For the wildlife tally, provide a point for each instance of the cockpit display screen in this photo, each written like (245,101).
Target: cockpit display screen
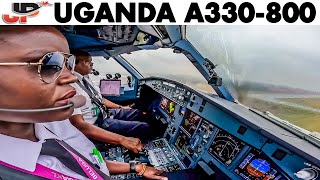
(182,142)
(191,122)
(182,110)
(168,105)
(256,165)
(110,87)
(225,147)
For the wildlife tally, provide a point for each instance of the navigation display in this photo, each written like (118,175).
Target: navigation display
(225,147)
(110,87)
(258,166)
(191,122)
(182,141)
(168,105)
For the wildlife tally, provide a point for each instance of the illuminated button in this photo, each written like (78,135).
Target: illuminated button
(199,149)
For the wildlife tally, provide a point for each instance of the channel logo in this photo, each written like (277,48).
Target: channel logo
(22,11)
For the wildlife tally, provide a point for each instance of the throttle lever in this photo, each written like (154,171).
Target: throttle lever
(143,152)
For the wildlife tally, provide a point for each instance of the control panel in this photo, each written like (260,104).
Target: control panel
(177,93)
(162,157)
(119,154)
(182,142)
(200,140)
(157,153)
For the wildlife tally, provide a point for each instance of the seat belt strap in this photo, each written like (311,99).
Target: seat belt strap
(95,100)
(40,171)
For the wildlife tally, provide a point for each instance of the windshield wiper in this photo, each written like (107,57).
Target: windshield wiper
(312,137)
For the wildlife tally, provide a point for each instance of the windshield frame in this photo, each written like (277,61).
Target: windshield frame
(199,61)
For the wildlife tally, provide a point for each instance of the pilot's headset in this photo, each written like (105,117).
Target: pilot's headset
(29,115)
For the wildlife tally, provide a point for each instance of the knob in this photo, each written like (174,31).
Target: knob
(306,174)
(117,76)
(108,76)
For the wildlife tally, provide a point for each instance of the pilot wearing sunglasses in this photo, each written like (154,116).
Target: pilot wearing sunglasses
(36,140)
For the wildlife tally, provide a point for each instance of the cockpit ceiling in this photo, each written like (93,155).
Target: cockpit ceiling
(111,37)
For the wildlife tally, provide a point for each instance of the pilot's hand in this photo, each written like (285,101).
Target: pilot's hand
(133,144)
(151,173)
(126,107)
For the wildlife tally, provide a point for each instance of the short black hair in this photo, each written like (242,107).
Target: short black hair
(79,54)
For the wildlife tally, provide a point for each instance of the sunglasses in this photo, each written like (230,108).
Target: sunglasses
(50,66)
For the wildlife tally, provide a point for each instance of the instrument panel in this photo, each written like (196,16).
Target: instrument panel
(258,166)
(168,106)
(177,93)
(182,142)
(191,122)
(200,139)
(228,142)
(225,147)
(196,133)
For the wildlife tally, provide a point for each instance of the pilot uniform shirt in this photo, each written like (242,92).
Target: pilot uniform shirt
(89,111)
(25,154)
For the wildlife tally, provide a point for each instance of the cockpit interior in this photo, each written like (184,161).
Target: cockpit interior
(212,133)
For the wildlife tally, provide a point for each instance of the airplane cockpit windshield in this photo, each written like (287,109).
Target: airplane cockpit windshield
(261,66)
(155,63)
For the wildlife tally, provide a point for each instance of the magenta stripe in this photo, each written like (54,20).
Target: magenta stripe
(42,171)
(90,172)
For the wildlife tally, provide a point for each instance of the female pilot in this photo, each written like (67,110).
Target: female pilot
(35,73)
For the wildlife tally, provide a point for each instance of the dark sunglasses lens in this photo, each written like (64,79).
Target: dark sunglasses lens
(71,63)
(52,66)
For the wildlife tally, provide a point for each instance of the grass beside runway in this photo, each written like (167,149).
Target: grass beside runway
(303,118)
(310,102)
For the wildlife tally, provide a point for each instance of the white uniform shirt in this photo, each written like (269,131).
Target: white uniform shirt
(89,110)
(25,154)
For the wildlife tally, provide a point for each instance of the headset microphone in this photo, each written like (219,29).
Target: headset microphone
(95,72)
(75,102)
(41,115)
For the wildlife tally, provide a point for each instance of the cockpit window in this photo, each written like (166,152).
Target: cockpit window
(164,63)
(269,68)
(111,67)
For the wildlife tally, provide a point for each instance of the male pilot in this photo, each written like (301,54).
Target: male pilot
(123,120)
